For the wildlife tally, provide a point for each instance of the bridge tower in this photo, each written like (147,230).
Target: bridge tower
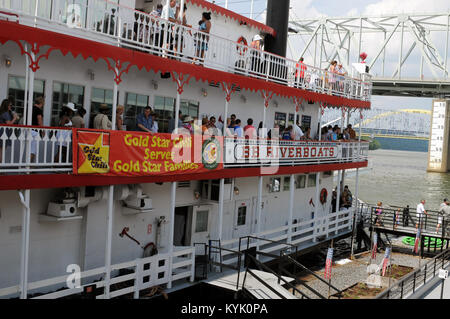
(438,148)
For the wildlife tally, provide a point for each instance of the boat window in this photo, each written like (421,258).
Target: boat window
(64,93)
(201,224)
(311,180)
(242,215)
(286,183)
(134,105)
(275,185)
(300,181)
(16,89)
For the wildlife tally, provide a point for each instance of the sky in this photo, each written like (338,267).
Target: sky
(335,8)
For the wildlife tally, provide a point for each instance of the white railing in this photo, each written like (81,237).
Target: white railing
(257,152)
(304,232)
(119,25)
(40,149)
(27,149)
(145,272)
(154,271)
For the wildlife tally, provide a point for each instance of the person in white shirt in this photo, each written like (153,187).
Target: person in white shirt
(298,133)
(420,212)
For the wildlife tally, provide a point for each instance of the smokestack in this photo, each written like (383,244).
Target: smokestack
(278,19)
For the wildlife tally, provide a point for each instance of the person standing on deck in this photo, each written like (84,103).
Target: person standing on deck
(420,212)
(444,215)
(406,216)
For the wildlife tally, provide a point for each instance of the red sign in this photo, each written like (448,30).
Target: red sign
(122,153)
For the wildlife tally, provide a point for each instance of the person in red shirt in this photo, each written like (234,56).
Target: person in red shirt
(249,129)
(300,69)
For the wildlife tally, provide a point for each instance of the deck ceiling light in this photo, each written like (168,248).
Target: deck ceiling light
(196,194)
(91,74)
(236,191)
(204,92)
(155,84)
(8,61)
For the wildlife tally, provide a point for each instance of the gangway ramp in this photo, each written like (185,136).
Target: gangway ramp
(254,286)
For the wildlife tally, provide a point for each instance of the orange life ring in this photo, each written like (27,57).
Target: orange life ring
(323,196)
(242,49)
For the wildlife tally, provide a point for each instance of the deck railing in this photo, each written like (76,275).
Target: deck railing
(25,149)
(107,22)
(144,272)
(418,279)
(154,271)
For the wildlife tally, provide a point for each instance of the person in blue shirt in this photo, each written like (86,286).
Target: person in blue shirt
(145,120)
(287,134)
(238,129)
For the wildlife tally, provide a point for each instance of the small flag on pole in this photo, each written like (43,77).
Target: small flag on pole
(387,254)
(375,245)
(328,263)
(416,242)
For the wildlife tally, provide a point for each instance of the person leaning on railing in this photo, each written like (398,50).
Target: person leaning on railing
(101,120)
(8,117)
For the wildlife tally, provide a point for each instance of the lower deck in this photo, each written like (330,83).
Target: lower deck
(67,254)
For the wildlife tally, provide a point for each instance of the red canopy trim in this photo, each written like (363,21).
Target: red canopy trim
(233,15)
(10,31)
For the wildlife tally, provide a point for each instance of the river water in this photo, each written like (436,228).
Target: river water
(400,178)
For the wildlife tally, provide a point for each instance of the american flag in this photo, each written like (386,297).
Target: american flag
(328,263)
(416,243)
(374,248)
(387,253)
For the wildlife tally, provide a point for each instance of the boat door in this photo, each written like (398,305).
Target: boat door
(242,218)
(201,224)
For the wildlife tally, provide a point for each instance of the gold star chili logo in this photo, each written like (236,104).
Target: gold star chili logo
(93,150)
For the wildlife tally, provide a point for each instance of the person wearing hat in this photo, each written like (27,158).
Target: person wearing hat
(444,215)
(188,124)
(145,120)
(101,120)
(67,114)
(256,46)
(78,119)
(62,136)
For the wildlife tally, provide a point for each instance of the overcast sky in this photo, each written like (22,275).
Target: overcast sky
(334,8)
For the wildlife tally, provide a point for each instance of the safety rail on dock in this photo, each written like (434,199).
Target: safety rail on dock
(420,277)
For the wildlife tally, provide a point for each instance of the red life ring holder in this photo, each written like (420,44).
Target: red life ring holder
(242,49)
(323,196)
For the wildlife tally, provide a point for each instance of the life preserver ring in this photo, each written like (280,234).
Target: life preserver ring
(323,196)
(242,46)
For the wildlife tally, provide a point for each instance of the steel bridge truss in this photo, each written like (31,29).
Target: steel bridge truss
(395,44)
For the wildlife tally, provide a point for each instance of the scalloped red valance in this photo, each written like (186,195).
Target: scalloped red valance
(39,38)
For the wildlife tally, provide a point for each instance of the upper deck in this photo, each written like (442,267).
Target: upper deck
(123,27)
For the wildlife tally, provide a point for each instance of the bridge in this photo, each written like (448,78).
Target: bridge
(407,53)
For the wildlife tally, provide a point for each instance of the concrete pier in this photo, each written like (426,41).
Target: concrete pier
(438,157)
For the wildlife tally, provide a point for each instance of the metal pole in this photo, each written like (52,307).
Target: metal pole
(177,111)
(24,260)
(30,94)
(25,102)
(225,118)
(258,211)
(338,191)
(291,206)
(401,52)
(221,190)
(442,288)
(446,48)
(110,217)
(173,191)
(355,212)
(251,9)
